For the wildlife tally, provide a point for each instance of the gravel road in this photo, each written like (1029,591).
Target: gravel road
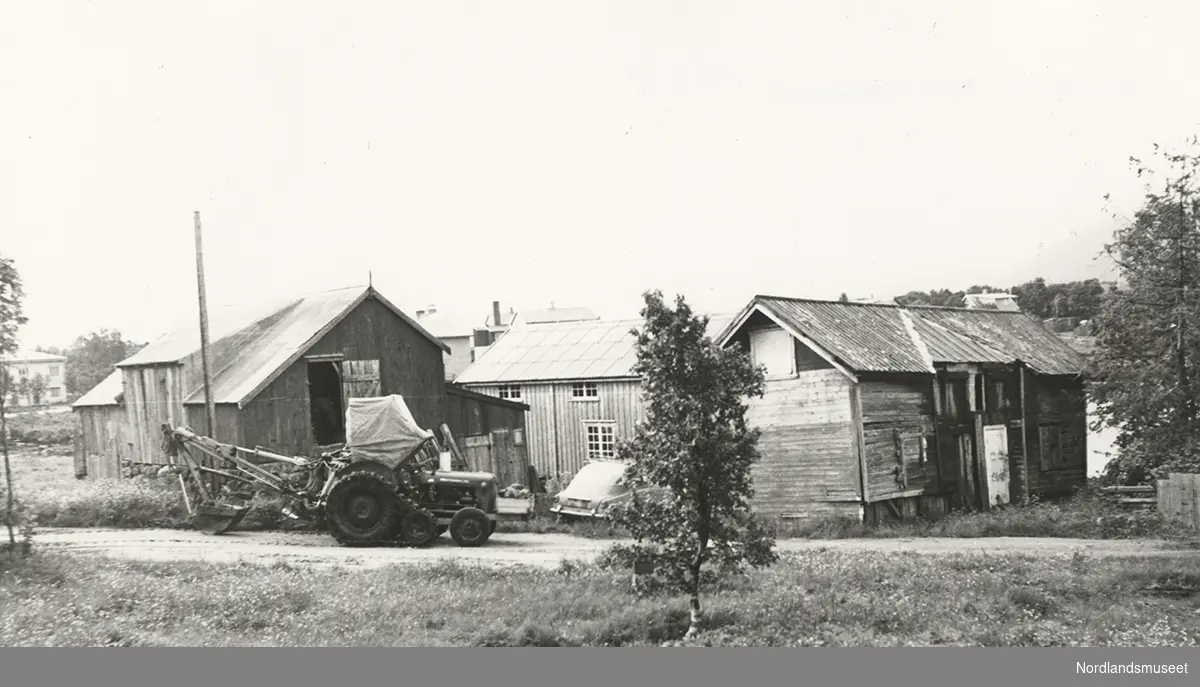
(306,548)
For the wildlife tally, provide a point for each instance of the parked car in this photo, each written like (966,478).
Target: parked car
(595,489)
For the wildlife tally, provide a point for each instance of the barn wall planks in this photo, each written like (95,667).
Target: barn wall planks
(1057,408)
(410,365)
(468,415)
(807,445)
(153,396)
(101,442)
(898,431)
(556,422)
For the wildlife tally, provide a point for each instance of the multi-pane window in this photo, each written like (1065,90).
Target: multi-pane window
(601,440)
(511,391)
(585,390)
(54,370)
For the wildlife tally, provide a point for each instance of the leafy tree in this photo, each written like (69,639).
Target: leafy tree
(1144,371)
(37,389)
(843,298)
(695,445)
(12,316)
(91,358)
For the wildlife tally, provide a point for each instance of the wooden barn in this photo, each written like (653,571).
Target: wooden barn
(878,411)
(577,379)
(280,376)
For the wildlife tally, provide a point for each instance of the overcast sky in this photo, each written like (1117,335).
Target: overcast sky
(578,153)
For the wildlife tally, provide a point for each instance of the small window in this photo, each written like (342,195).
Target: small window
(585,390)
(55,392)
(510,391)
(773,349)
(54,370)
(601,440)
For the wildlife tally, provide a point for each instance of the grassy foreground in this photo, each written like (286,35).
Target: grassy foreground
(814,599)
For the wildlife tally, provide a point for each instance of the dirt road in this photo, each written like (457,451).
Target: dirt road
(506,549)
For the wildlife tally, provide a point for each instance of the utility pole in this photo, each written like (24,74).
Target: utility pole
(209,405)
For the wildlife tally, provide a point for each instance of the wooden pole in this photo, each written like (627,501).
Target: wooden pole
(209,406)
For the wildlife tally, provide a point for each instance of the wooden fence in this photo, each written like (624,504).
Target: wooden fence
(1179,498)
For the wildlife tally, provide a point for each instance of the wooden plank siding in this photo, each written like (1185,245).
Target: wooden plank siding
(808,446)
(100,437)
(556,422)
(409,364)
(468,415)
(1057,404)
(153,396)
(899,436)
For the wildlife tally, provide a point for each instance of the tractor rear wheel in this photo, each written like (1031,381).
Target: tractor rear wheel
(470,527)
(363,509)
(418,528)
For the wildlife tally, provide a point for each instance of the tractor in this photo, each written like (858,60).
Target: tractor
(384,486)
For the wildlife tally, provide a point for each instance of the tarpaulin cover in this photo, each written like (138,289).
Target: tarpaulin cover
(382,429)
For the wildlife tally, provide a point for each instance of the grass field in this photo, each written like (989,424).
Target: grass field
(46,485)
(821,598)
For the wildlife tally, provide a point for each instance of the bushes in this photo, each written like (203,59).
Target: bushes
(41,429)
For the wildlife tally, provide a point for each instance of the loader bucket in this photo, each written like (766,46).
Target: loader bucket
(217,518)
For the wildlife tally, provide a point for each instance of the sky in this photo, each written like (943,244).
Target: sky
(457,153)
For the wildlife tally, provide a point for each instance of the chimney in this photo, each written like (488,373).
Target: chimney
(495,313)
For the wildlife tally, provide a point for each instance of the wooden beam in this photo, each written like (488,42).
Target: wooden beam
(1024,435)
(860,442)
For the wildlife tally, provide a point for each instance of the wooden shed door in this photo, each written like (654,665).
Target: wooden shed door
(360,379)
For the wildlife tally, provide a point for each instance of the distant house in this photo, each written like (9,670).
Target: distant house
(455,333)
(577,378)
(281,374)
(30,365)
(878,411)
(992,301)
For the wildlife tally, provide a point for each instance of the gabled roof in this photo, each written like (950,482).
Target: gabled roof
(862,337)
(251,346)
(105,393)
(446,325)
(562,351)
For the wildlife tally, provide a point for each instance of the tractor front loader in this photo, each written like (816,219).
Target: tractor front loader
(383,487)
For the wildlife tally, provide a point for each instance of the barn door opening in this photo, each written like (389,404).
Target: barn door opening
(325,400)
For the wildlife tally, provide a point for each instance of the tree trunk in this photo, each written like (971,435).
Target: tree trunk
(697,616)
(8,481)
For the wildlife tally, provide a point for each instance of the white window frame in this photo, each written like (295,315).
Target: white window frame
(767,349)
(585,391)
(600,439)
(510,391)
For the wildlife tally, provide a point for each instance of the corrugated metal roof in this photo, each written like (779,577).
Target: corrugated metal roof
(874,338)
(251,344)
(1009,336)
(862,336)
(271,343)
(593,349)
(103,394)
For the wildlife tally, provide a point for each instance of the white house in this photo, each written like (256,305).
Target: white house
(30,365)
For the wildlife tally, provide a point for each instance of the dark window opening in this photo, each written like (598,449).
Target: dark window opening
(325,395)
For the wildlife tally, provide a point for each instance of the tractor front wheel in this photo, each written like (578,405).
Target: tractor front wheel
(470,527)
(363,509)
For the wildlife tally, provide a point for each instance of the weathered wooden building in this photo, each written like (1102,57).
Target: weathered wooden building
(878,411)
(577,378)
(280,377)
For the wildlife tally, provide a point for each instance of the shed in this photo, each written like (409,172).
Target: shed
(281,374)
(874,411)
